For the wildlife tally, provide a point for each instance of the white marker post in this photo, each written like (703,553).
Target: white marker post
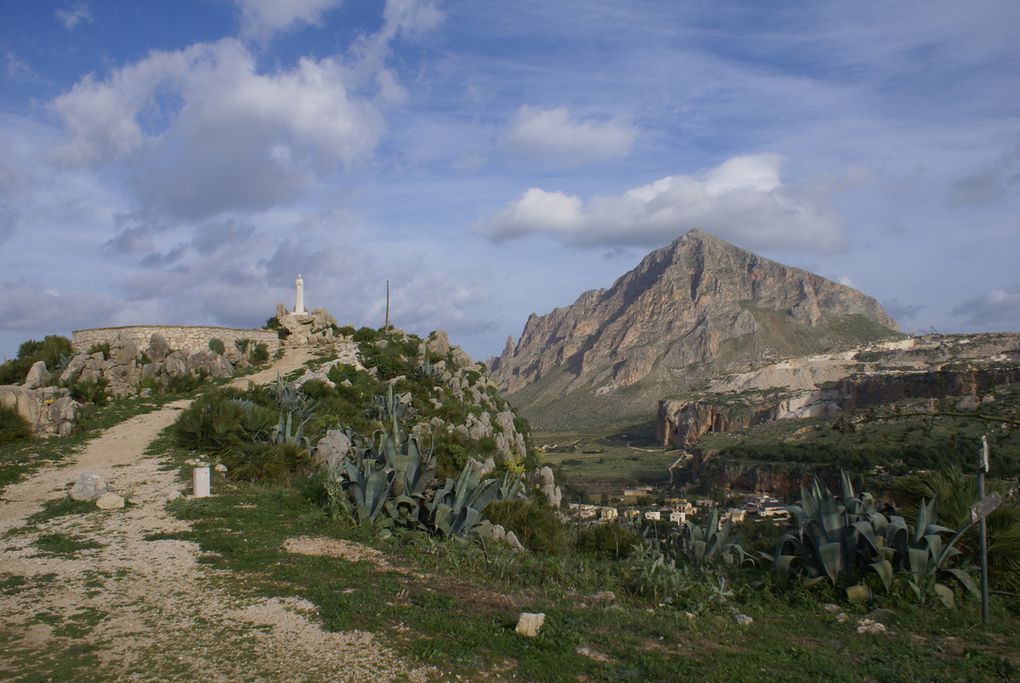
(200,481)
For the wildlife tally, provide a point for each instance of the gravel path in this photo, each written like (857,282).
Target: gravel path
(147,608)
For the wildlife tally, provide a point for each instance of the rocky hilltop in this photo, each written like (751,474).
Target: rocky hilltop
(688,311)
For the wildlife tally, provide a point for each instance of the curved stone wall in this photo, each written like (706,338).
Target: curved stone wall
(179,337)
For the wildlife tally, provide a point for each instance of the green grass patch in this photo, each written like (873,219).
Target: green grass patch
(60,507)
(64,544)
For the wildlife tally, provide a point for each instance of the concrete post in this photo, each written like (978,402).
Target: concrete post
(200,480)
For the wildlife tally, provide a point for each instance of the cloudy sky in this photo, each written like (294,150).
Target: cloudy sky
(181,162)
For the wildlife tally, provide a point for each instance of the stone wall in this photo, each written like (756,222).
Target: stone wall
(180,338)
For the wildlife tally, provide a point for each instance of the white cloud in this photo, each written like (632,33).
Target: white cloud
(743,199)
(262,18)
(73,16)
(205,132)
(997,309)
(553,135)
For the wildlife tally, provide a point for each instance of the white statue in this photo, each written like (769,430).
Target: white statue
(299,299)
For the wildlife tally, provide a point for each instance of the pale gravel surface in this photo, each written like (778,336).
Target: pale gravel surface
(153,611)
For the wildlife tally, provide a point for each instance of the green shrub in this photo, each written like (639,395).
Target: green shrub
(612,541)
(242,345)
(267,462)
(274,324)
(536,525)
(366,334)
(103,348)
(259,354)
(217,347)
(90,391)
(13,426)
(51,350)
(316,389)
(221,421)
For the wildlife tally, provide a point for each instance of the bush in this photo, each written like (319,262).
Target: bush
(52,350)
(259,354)
(13,426)
(217,347)
(223,421)
(274,324)
(316,389)
(612,541)
(536,525)
(90,391)
(103,348)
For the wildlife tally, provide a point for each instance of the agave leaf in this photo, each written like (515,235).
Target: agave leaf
(964,578)
(945,594)
(918,563)
(884,569)
(831,556)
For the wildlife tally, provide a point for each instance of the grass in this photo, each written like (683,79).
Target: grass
(63,544)
(454,605)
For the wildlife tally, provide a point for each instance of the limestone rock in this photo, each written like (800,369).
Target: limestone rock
(529,624)
(870,627)
(332,448)
(158,349)
(48,410)
(544,479)
(176,364)
(743,619)
(90,486)
(37,375)
(220,468)
(676,309)
(109,501)
(438,343)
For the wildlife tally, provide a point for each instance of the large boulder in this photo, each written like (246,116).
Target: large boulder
(176,364)
(332,448)
(158,349)
(438,343)
(37,375)
(48,410)
(545,481)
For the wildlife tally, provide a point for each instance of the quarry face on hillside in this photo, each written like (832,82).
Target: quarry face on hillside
(687,311)
(959,368)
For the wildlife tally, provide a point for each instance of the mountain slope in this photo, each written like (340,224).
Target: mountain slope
(692,308)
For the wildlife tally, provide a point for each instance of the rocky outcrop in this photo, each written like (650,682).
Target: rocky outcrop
(305,329)
(47,410)
(685,311)
(958,367)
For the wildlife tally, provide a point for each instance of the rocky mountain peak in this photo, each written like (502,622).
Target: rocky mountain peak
(697,300)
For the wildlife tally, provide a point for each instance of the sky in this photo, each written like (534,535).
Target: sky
(181,162)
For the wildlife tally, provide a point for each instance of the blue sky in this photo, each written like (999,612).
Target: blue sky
(181,162)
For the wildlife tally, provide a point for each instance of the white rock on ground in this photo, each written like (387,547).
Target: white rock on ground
(110,501)
(90,486)
(529,624)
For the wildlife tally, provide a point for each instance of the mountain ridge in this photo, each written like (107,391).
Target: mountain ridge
(687,304)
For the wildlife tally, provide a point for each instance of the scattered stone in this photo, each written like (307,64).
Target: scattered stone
(841,617)
(743,619)
(691,616)
(529,624)
(831,608)
(90,486)
(870,627)
(591,654)
(220,467)
(173,495)
(605,596)
(110,501)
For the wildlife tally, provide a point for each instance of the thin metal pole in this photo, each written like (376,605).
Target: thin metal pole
(386,326)
(984,531)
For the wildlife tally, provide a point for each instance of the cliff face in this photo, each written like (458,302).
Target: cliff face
(698,299)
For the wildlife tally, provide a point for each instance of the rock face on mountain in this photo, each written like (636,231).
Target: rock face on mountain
(688,310)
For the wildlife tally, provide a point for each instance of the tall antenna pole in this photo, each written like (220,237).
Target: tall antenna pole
(386,327)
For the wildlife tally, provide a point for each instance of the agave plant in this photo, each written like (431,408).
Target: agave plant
(284,431)
(457,506)
(711,543)
(927,557)
(365,483)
